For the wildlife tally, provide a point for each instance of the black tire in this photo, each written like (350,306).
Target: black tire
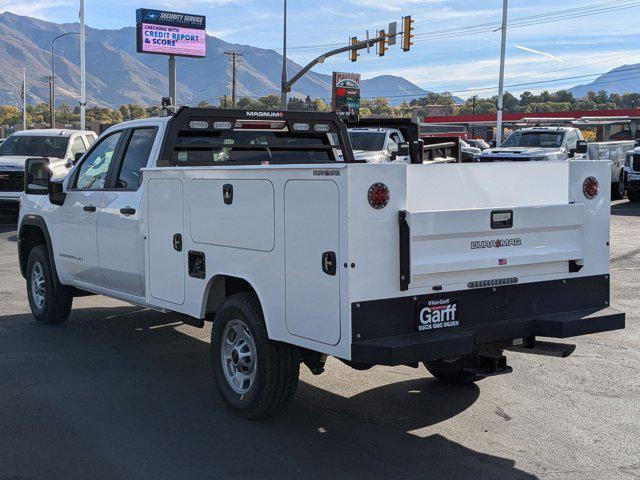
(451,370)
(50,301)
(618,188)
(634,197)
(275,365)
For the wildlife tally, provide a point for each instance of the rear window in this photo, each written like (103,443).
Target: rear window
(239,147)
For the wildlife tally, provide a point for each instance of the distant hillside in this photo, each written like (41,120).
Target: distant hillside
(624,79)
(117,74)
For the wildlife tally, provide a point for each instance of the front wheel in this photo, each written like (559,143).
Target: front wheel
(451,370)
(50,301)
(256,376)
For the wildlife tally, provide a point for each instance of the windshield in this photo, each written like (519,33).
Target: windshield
(367,141)
(534,139)
(35,146)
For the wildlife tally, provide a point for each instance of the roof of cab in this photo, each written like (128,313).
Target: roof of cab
(51,132)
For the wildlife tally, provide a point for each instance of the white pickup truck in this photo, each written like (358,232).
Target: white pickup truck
(61,147)
(562,143)
(264,223)
(378,145)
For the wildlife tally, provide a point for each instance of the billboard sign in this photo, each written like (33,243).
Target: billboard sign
(345,92)
(170,33)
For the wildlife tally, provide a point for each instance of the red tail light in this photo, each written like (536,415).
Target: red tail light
(590,187)
(378,195)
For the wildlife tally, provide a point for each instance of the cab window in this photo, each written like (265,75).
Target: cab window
(135,158)
(92,174)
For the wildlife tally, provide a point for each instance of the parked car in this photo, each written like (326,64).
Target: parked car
(61,147)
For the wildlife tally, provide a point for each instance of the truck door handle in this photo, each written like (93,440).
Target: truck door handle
(128,211)
(177,242)
(329,263)
(89,208)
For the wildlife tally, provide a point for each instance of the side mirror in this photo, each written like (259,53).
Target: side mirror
(77,156)
(56,193)
(403,150)
(581,147)
(37,176)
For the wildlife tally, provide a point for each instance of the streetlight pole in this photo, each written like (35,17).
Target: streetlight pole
(283,89)
(83,73)
(503,45)
(53,77)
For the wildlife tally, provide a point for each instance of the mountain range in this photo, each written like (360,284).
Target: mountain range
(624,79)
(117,74)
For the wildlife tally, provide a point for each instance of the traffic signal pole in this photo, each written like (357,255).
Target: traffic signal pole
(288,84)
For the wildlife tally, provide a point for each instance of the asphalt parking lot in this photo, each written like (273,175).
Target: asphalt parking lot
(121,392)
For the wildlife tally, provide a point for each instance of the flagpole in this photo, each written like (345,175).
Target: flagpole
(24,98)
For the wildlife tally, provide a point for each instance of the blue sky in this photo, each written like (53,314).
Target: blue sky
(462,59)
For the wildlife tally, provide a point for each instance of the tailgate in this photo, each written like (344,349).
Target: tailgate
(450,246)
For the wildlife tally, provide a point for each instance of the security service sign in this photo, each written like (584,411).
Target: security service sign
(170,33)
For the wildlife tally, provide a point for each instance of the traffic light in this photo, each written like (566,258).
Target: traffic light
(406,33)
(382,44)
(353,54)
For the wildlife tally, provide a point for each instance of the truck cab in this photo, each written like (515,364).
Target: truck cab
(62,148)
(536,144)
(266,224)
(377,145)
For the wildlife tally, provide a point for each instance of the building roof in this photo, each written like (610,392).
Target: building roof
(489,119)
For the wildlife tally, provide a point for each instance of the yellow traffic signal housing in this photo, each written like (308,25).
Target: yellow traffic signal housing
(382,44)
(406,33)
(353,54)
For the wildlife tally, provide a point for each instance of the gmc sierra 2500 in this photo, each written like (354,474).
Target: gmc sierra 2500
(264,223)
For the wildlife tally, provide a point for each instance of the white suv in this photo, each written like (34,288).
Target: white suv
(61,147)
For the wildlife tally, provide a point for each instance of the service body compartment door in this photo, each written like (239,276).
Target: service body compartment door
(164,240)
(312,284)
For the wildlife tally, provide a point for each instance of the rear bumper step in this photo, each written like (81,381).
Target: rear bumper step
(421,346)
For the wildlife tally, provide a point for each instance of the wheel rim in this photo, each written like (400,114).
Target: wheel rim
(38,290)
(238,354)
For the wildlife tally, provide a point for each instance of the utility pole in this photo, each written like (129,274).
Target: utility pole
(503,45)
(473,109)
(24,98)
(83,73)
(234,66)
(52,110)
(172,80)
(283,84)
(50,81)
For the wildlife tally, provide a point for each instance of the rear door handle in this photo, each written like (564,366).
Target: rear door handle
(89,208)
(329,263)
(128,211)
(177,242)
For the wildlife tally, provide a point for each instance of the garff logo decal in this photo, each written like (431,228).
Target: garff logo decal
(499,243)
(437,314)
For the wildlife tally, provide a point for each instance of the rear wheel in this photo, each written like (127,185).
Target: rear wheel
(256,376)
(617,189)
(50,301)
(451,370)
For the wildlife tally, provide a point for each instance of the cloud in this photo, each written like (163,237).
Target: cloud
(37,9)
(538,52)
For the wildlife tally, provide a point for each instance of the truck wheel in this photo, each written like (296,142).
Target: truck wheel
(617,189)
(450,370)
(50,301)
(634,197)
(256,376)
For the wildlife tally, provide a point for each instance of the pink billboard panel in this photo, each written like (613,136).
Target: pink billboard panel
(173,40)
